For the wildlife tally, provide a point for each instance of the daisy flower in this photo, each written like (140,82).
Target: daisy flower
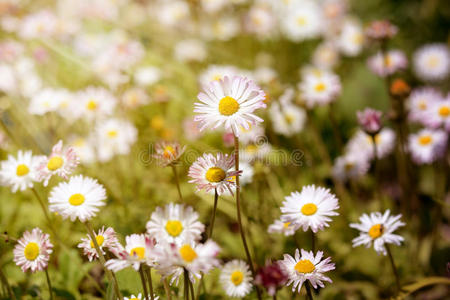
(350,40)
(94,103)
(44,101)
(20,173)
(168,153)
(247,136)
(61,162)
(79,198)
(190,50)
(279,226)
(352,165)
(84,148)
(311,208)
(195,258)
(326,55)
(438,114)
(387,64)
(229,102)
(288,119)
(236,278)
(139,249)
(247,172)
(106,239)
(175,224)
(255,151)
(381,30)
(427,145)
(362,143)
(260,20)
(217,72)
(134,97)
(306,266)
(146,76)
(378,229)
(32,251)
(211,172)
(221,28)
(432,62)
(320,88)
(419,102)
(302,21)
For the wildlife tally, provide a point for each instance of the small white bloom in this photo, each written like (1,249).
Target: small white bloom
(352,165)
(20,173)
(32,251)
(236,278)
(279,226)
(302,21)
(427,145)
(387,64)
(190,50)
(146,76)
(420,101)
(320,88)
(432,62)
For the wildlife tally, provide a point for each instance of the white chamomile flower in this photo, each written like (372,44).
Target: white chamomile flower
(33,250)
(311,208)
(84,148)
(426,146)
(236,278)
(320,88)
(362,143)
(302,21)
(306,266)
(255,151)
(350,40)
(420,101)
(387,64)
(43,102)
(222,28)
(439,114)
(106,239)
(217,72)
(260,20)
(94,103)
(20,173)
(79,198)
(326,56)
(279,226)
(352,165)
(432,62)
(146,76)
(175,224)
(254,134)
(377,229)
(287,119)
(190,50)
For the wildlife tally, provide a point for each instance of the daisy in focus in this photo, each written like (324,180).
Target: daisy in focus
(427,145)
(311,208)
(20,173)
(168,153)
(32,251)
(106,239)
(211,172)
(432,62)
(229,102)
(61,162)
(79,198)
(236,278)
(377,229)
(306,266)
(175,224)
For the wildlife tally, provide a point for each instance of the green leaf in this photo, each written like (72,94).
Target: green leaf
(414,287)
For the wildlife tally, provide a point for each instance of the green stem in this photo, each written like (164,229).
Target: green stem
(186,285)
(6,283)
(177,182)
(376,170)
(144,285)
(313,241)
(49,284)
(191,288)
(213,217)
(167,289)
(394,268)
(148,271)
(308,291)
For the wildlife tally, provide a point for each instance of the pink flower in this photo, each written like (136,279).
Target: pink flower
(370,120)
(33,250)
(381,30)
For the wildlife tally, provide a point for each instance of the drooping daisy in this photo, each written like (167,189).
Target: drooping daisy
(279,226)
(387,64)
(175,224)
(20,173)
(432,62)
(94,103)
(438,114)
(311,208)
(427,145)
(106,239)
(79,198)
(377,229)
(61,162)
(302,21)
(362,143)
(229,102)
(236,278)
(139,249)
(352,165)
(420,101)
(211,172)
(32,251)
(320,88)
(168,153)
(306,266)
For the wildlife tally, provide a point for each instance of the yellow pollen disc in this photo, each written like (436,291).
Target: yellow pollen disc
(139,252)
(304,266)
(100,239)
(433,62)
(174,227)
(187,253)
(422,105)
(301,21)
(76,199)
(377,139)
(286,225)
(31,251)
(228,106)
(444,111)
(22,170)
(309,209)
(217,77)
(348,166)
(289,118)
(55,163)
(112,133)
(357,38)
(251,148)
(215,174)
(169,151)
(376,231)
(320,87)
(387,61)
(237,277)
(425,140)
(91,105)
(134,299)
(157,123)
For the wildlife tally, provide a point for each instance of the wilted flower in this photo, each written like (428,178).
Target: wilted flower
(399,88)
(168,153)
(370,120)
(271,277)
(32,251)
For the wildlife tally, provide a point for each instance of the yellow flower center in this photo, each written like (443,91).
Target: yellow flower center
(215,174)
(289,118)
(76,199)
(286,225)
(376,231)
(228,106)
(309,209)
(91,105)
(251,149)
(387,61)
(304,266)
(320,87)
(55,163)
(349,166)
(134,299)
(169,151)
(377,139)
(187,253)
(174,227)
(157,123)
(422,105)
(139,252)
(100,239)
(112,133)
(31,251)
(301,21)
(237,277)
(425,140)
(444,111)
(22,170)
(433,61)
